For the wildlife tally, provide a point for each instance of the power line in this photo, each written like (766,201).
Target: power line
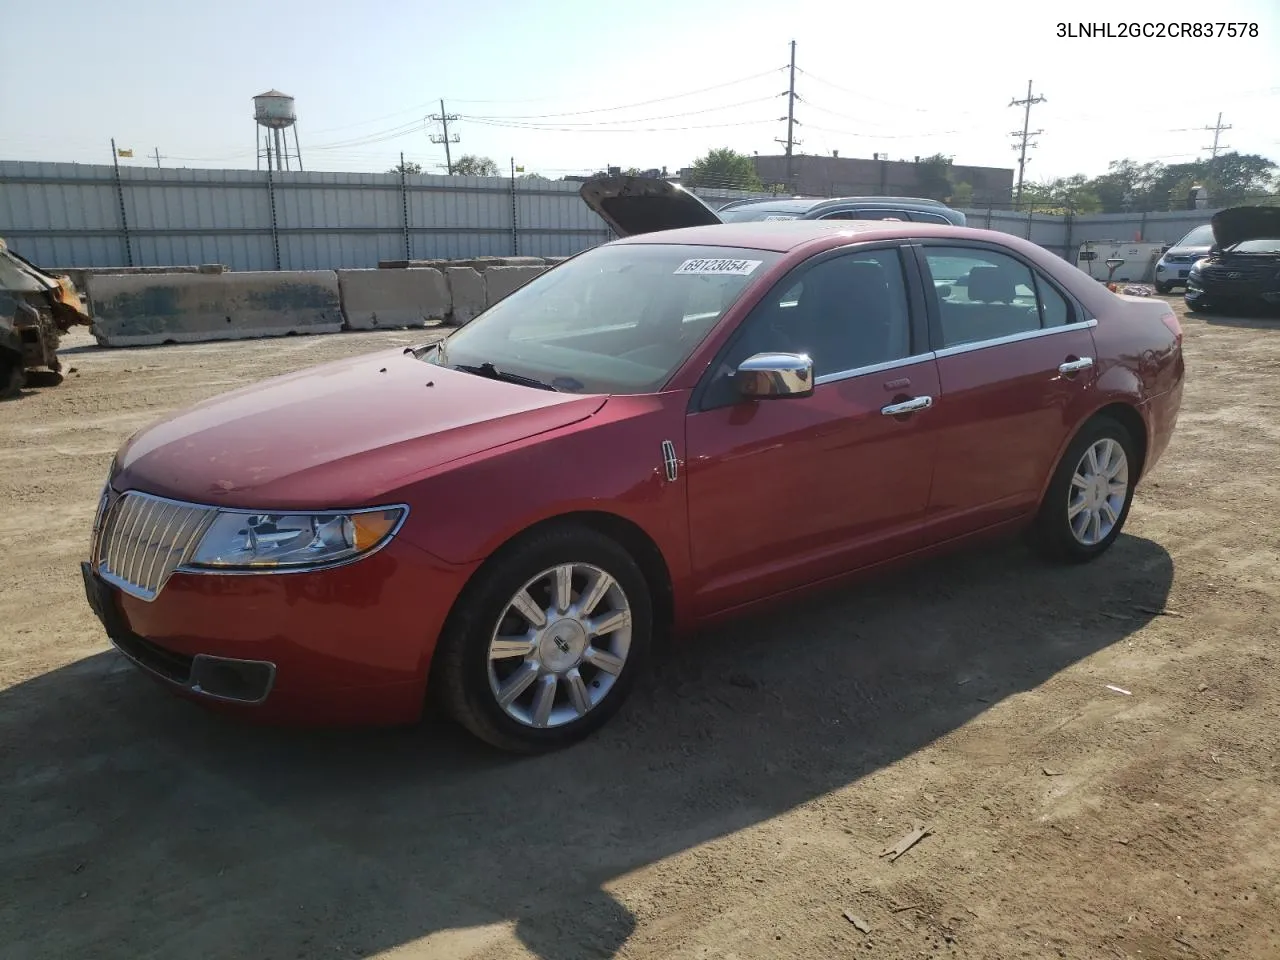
(597,123)
(1217,129)
(443,119)
(642,103)
(1027,104)
(615,130)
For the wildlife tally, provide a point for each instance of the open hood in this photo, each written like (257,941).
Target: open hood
(1245,223)
(631,205)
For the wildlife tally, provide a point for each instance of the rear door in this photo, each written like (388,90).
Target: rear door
(784,492)
(1015,361)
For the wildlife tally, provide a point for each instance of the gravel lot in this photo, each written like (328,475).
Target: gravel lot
(738,806)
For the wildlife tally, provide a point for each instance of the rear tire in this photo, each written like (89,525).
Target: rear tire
(513,630)
(1164,287)
(1088,499)
(11,377)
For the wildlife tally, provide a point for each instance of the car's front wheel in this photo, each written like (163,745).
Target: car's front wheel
(546,644)
(1089,497)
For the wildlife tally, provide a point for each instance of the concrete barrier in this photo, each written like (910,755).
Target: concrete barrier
(188,308)
(500,282)
(466,294)
(378,299)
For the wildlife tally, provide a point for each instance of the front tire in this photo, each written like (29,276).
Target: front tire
(545,645)
(1088,499)
(11,376)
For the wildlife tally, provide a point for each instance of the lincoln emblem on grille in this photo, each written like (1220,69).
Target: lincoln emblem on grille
(1234,275)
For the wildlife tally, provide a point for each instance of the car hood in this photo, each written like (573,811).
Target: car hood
(341,434)
(1245,223)
(631,205)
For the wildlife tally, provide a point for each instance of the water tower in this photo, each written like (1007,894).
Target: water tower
(273,112)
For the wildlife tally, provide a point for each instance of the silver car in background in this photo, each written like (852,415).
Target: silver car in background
(1173,267)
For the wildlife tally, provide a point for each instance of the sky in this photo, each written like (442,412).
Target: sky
(570,87)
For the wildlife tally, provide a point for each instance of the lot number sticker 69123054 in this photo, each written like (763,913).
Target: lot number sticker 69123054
(724,267)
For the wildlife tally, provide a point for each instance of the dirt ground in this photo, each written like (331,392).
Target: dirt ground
(738,806)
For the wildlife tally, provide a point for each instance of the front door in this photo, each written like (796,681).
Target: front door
(784,492)
(1015,363)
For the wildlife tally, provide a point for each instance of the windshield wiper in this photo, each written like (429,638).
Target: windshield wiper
(487,369)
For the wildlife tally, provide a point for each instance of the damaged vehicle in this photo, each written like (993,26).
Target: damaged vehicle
(662,432)
(36,308)
(631,205)
(1242,271)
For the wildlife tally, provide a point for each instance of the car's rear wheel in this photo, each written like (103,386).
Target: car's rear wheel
(10,375)
(546,644)
(1088,499)
(1163,287)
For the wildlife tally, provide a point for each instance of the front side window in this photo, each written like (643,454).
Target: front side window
(845,313)
(616,319)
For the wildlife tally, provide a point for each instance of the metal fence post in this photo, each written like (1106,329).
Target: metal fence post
(124,217)
(275,226)
(515,224)
(404,209)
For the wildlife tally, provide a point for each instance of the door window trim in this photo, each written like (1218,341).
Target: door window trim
(919,339)
(1080,317)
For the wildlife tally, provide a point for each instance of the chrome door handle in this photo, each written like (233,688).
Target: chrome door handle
(907,406)
(1075,366)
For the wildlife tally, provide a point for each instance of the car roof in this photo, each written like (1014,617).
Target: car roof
(805,204)
(781,236)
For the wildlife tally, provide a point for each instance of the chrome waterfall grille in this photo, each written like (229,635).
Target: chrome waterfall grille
(142,539)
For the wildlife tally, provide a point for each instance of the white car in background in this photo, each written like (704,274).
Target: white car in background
(1172,268)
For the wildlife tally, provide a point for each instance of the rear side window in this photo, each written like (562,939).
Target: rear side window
(985,295)
(921,217)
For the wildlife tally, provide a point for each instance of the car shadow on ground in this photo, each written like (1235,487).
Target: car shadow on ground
(140,826)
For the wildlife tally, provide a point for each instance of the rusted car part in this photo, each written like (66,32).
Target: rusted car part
(36,308)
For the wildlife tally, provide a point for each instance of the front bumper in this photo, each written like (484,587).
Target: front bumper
(1254,294)
(351,645)
(1173,274)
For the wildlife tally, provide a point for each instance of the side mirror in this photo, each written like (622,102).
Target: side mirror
(775,375)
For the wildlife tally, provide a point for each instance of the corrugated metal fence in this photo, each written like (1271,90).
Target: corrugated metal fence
(81,215)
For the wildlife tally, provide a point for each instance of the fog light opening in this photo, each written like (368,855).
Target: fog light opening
(242,681)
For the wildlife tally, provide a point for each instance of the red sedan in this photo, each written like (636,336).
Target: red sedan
(662,431)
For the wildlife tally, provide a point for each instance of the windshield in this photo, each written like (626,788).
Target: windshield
(1258,245)
(616,319)
(1199,237)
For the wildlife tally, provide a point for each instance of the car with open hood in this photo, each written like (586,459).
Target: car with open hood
(662,432)
(1242,270)
(1174,265)
(632,205)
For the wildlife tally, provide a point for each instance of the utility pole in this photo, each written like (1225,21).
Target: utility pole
(157,156)
(443,119)
(1217,129)
(1024,136)
(791,142)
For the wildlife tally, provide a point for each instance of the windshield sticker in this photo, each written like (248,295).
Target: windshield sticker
(733,268)
(778,216)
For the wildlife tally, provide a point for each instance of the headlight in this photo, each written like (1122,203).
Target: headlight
(239,540)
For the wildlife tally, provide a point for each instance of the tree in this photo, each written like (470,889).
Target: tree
(933,176)
(726,169)
(408,166)
(961,195)
(469,165)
